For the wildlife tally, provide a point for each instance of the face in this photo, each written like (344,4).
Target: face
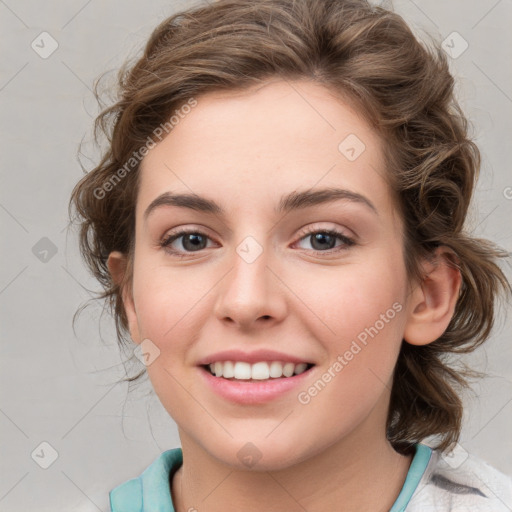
(320,281)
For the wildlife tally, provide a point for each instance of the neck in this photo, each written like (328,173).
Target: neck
(360,471)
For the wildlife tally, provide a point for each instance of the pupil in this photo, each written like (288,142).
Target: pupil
(321,237)
(194,239)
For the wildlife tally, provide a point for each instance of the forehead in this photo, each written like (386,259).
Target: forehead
(262,142)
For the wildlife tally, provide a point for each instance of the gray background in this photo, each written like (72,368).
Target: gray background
(59,386)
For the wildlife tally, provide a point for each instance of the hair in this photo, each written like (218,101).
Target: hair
(401,86)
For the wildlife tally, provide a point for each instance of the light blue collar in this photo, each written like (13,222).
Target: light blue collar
(418,465)
(150,492)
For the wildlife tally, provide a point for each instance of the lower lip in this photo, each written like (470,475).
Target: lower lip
(253,392)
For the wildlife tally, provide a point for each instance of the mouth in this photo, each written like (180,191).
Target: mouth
(255,384)
(259,372)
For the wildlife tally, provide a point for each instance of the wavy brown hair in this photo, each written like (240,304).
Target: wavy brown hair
(401,86)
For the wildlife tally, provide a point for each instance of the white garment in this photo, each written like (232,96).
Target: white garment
(459,483)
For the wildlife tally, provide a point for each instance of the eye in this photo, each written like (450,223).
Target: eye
(192,240)
(324,240)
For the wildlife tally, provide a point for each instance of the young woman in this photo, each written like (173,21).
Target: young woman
(278,223)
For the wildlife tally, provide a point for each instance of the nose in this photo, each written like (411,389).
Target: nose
(251,294)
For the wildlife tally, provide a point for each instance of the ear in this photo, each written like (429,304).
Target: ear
(432,302)
(117,264)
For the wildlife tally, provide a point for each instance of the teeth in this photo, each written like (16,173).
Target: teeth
(276,369)
(288,369)
(227,370)
(258,371)
(242,371)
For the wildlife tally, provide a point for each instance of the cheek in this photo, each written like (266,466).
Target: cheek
(172,306)
(360,317)
(165,314)
(164,298)
(346,300)
(366,319)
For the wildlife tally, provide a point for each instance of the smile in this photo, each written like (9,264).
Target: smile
(251,391)
(262,370)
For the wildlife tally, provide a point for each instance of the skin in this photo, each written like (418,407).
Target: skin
(245,150)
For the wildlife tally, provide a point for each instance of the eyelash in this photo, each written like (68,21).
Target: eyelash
(347,241)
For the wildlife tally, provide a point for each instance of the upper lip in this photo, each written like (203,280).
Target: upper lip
(251,357)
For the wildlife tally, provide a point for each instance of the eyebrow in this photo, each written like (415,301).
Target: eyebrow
(295,200)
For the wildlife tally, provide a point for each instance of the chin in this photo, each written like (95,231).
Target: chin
(259,455)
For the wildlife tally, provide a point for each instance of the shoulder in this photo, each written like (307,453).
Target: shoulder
(151,489)
(460,482)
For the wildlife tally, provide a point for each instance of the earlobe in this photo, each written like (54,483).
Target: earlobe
(118,266)
(432,302)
